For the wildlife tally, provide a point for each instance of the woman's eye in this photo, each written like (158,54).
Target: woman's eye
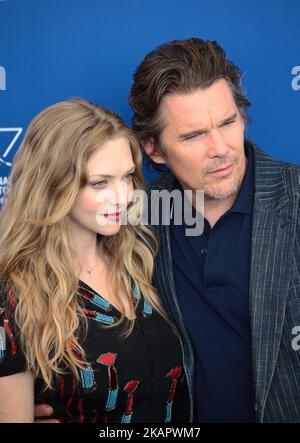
(99,184)
(129,177)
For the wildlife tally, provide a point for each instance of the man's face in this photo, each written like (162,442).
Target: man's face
(204,140)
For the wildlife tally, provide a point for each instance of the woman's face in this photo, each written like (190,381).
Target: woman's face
(103,200)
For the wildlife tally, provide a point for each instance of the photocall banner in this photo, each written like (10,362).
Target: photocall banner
(51,50)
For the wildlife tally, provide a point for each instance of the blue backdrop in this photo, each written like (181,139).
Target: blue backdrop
(51,50)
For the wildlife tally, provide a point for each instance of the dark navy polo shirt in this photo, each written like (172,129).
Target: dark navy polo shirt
(211,273)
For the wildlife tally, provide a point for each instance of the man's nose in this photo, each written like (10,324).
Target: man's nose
(217,145)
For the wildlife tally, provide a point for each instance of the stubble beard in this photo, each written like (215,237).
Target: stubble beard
(219,194)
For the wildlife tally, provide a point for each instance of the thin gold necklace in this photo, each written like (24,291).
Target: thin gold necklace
(89,271)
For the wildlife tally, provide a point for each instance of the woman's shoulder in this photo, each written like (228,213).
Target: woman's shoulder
(12,359)
(7,295)
(5,282)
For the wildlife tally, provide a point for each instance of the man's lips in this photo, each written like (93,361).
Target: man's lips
(222,169)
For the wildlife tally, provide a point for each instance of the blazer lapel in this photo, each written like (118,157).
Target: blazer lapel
(272,236)
(163,275)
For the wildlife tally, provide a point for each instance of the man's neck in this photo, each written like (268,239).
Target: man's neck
(214,209)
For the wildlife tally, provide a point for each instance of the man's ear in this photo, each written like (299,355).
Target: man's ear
(152,151)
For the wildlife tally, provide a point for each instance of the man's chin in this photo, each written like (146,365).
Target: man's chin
(220,194)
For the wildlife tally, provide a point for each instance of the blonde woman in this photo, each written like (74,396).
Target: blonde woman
(82,328)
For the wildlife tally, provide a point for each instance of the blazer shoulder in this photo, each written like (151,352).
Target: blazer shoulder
(286,172)
(291,173)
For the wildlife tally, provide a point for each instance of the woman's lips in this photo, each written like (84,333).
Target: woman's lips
(115,216)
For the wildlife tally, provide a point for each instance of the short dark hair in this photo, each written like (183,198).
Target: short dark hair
(180,66)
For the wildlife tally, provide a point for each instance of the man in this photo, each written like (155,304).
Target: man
(234,290)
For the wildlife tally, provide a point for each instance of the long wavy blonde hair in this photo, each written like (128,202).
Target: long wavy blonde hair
(36,255)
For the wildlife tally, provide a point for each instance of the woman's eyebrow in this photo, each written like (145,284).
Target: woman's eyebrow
(111,176)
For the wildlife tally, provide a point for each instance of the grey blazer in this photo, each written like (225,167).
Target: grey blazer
(274,288)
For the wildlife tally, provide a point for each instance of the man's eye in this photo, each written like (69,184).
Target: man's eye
(191,137)
(228,123)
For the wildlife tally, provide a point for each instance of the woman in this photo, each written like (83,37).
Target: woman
(83,329)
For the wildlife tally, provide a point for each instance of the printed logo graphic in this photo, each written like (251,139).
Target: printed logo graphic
(2,79)
(2,343)
(296,340)
(6,149)
(296,80)
(4,181)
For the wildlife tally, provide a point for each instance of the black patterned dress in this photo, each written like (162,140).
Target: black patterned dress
(136,379)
